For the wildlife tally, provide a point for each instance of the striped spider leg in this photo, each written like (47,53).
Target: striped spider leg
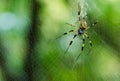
(66,33)
(79,20)
(71,43)
(71,24)
(83,31)
(90,42)
(82,48)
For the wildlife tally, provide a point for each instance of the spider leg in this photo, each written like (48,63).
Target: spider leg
(82,48)
(79,11)
(65,33)
(71,24)
(90,42)
(71,43)
(94,24)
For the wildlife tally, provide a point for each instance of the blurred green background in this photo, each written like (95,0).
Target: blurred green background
(29,53)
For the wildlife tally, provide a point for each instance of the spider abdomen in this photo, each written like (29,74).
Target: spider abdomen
(80,31)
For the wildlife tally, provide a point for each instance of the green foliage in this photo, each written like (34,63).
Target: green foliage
(48,61)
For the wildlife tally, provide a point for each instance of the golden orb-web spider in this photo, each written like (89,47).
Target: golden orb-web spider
(81,31)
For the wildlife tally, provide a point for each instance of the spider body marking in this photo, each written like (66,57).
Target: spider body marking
(80,31)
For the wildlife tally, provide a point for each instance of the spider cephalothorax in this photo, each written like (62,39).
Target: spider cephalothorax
(81,31)
(82,27)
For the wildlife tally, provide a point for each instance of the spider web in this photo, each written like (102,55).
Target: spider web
(74,8)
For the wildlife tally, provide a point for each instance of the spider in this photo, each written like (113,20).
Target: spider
(81,31)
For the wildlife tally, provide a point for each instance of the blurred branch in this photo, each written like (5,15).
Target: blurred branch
(6,74)
(32,40)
